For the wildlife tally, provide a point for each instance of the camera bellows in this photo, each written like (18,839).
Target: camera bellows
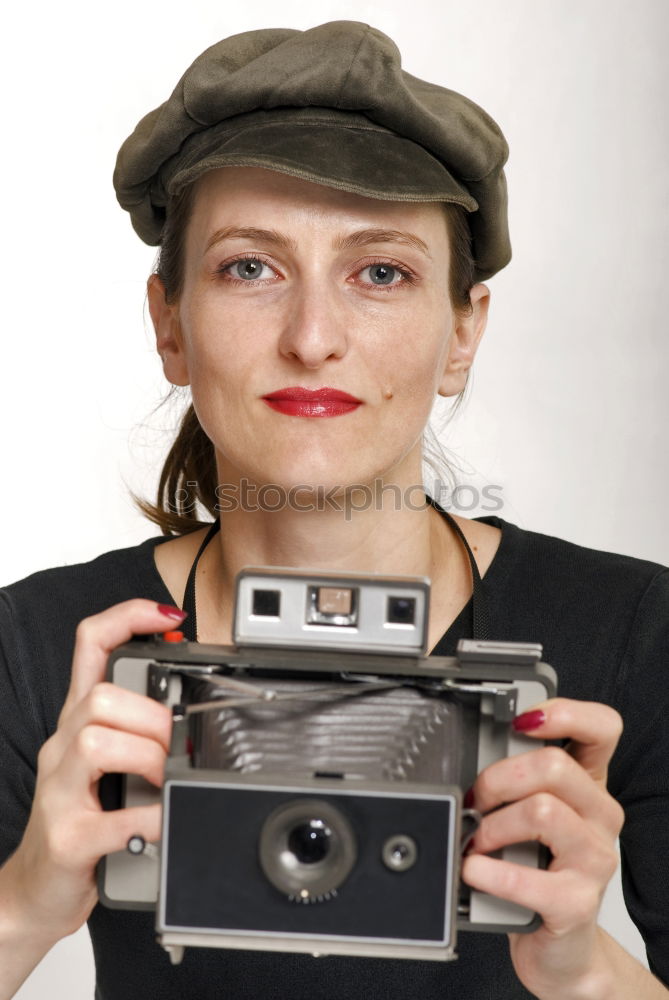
(395,734)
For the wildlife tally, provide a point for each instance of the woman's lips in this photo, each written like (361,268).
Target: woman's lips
(299,402)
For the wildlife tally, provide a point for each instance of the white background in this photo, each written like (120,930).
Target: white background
(568,410)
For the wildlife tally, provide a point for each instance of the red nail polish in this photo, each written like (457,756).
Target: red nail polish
(468,800)
(169,610)
(529,720)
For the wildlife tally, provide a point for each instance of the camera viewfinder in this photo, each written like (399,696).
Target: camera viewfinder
(267,603)
(401,610)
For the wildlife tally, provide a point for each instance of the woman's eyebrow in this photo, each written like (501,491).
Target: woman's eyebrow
(250,233)
(360,238)
(364,237)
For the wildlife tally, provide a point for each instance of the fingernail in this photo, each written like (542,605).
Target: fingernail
(529,720)
(468,800)
(170,611)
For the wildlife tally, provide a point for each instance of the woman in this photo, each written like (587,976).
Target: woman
(316,290)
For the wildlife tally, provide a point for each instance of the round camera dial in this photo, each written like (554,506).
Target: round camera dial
(399,852)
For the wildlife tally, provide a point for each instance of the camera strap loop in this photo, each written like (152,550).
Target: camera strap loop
(480,621)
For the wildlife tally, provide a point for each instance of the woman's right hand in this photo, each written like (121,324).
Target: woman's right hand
(48,885)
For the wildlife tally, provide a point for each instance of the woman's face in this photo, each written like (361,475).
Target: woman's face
(290,287)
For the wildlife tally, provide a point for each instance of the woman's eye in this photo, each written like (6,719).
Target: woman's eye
(381,274)
(249,269)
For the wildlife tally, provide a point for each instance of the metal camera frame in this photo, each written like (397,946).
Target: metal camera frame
(508,678)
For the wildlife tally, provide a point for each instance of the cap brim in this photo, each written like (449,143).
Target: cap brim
(364,159)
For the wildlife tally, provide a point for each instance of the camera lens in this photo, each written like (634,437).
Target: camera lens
(310,842)
(307,849)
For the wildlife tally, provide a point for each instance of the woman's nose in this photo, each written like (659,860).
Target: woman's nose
(315,329)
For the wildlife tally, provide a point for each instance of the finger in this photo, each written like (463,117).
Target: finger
(78,842)
(593,730)
(100,634)
(114,707)
(564,900)
(574,843)
(548,769)
(99,750)
(119,826)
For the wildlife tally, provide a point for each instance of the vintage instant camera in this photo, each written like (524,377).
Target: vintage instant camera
(313,791)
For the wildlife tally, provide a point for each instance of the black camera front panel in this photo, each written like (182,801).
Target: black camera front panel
(385,875)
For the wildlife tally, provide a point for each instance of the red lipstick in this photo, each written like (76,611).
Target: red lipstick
(299,402)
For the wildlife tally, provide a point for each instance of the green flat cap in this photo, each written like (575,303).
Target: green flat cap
(331,105)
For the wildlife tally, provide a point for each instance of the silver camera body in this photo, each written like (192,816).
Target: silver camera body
(313,793)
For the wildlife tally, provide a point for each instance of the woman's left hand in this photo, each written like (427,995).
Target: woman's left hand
(558,797)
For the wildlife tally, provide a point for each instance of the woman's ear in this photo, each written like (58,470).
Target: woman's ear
(465,339)
(169,343)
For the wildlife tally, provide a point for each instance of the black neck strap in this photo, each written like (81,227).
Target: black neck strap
(189,626)
(480,619)
(480,623)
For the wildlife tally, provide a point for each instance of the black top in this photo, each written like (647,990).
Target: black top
(604,624)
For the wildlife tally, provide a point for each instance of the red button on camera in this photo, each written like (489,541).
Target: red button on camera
(173,636)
